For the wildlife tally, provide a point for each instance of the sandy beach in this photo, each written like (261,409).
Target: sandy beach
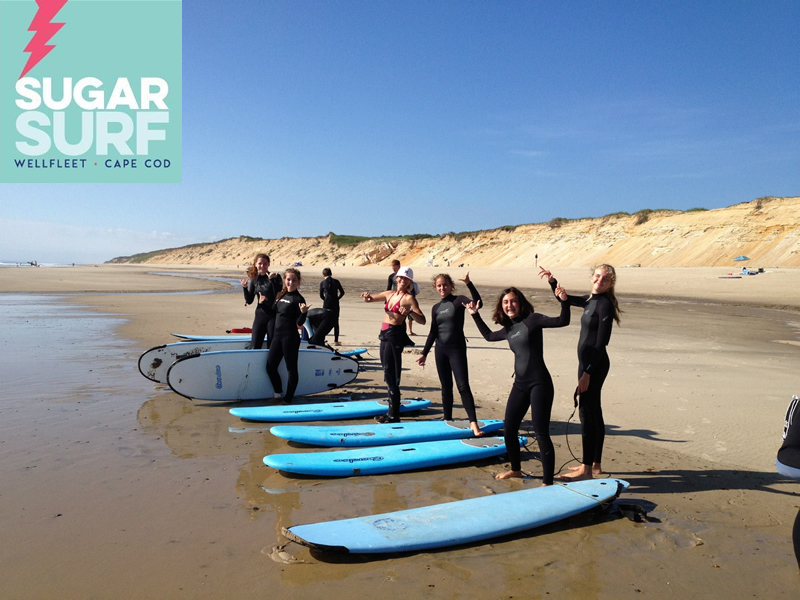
(115,487)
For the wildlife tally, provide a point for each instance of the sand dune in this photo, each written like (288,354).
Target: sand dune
(767,230)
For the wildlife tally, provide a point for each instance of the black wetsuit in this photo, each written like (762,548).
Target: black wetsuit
(788,462)
(447,330)
(330,291)
(596,322)
(391,283)
(286,343)
(264,321)
(533,385)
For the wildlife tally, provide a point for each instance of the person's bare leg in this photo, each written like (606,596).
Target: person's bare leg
(476,430)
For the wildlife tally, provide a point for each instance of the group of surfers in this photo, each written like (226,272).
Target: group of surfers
(281,309)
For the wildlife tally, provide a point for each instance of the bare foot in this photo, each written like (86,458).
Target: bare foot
(596,469)
(476,431)
(508,475)
(578,474)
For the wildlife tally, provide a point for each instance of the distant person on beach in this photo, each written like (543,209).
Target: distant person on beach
(391,283)
(330,291)
(264,286)
(291,309)
(788,461)
(600,310)
(532,385)
(447,331)
(397,306)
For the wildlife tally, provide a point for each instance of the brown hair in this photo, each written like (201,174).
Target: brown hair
(500,317)
(446,277)
(284,290)
(252,271)
(396,262)
(610,291)
(326,272)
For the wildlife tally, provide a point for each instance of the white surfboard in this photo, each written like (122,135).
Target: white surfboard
(155,363)
(234,375)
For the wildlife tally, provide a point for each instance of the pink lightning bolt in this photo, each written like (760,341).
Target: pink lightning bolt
(44,30)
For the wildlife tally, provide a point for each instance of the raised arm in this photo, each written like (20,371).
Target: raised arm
(488,334)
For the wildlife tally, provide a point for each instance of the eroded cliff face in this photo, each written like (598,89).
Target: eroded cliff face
(767,230)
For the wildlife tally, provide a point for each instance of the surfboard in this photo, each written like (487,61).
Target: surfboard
(388,459)
(155,363)
(235,375)
(387,434)
(211,338)
(328,411)
(459,522)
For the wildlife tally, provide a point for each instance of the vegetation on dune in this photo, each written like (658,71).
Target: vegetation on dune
(354,240)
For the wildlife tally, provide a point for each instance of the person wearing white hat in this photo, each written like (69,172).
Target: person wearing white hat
(397,306)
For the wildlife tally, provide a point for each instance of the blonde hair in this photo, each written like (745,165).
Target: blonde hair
(610,291)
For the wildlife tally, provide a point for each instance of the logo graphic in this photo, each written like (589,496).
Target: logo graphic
(84,99)
(219,378)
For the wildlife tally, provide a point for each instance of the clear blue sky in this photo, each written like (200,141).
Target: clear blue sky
(400,117)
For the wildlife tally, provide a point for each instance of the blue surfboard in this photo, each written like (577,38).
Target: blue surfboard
(328,411)
(406,432)
(388,459)
(459,522)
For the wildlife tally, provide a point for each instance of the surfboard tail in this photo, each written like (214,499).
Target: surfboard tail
(287,533)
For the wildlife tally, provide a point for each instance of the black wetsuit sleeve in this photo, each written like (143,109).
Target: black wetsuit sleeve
(537,320)
(579,301)
(488,334)
(249,291)
(301,319)
(432,332)
(390,282)
(322,290)
(476,297)
(340,289)
(605,319)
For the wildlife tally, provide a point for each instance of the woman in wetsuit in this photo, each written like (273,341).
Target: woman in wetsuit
(600,310)
(447,330)
(533,385)
(291,309)
(397,306)
(264,286)
(788,462)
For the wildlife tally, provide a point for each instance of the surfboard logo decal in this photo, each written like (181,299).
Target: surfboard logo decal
(389,524)
(355,460)
(219,378)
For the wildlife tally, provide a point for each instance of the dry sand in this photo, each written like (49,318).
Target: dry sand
(112,487)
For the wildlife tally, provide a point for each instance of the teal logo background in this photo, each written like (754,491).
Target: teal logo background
(105,39)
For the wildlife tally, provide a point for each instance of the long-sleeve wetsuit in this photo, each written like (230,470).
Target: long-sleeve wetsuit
(447,330)
(532,386)
(596,322)
(330,291)
(264,320)
(287,342)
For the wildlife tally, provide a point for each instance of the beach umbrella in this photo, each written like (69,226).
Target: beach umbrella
(741,258)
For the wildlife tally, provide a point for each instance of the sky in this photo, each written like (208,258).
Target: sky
(401,117)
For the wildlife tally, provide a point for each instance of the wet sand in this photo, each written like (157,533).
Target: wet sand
(114,487)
